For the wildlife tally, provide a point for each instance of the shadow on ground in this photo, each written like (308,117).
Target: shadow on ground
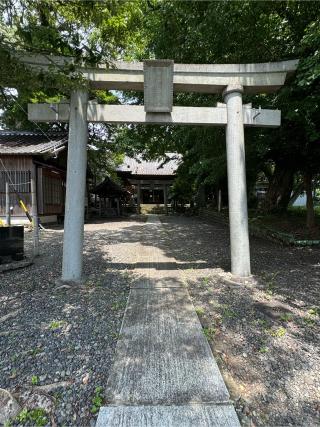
(263,331)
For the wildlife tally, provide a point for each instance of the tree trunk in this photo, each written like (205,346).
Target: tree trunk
(279,191)
(201,197)
(296,193)
(311,220)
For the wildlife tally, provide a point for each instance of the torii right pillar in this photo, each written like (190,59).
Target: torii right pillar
(237,187)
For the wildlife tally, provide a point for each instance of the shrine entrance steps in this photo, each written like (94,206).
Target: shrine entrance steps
(164,372)
(147,209)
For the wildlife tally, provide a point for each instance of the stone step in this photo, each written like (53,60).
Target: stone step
(164,372)
(146,209)
(163,356)
(201,415)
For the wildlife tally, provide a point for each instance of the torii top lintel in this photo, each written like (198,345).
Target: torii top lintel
(204,78)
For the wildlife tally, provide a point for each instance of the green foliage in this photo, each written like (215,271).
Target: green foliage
(229,313)
(301,211)
(118,305)
(200,311)
(97,400)
(205,281)
(270,282)
(115,335)
(261,322)
(89,31)
(13,373)
(243,32)
(57,324)
(188,32)
(91,283)
(309,321)
(34,380)
(313,314)
(315,311)
(286,317)
(37,417)
(209,332)
(277,333)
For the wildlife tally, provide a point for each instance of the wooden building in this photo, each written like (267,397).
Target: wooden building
(26,153)
(109,197)
(151,179)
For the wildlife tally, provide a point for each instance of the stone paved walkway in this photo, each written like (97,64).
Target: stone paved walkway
(164,372)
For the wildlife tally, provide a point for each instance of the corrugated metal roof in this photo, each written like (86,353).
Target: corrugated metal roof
(138,166)
(30,143)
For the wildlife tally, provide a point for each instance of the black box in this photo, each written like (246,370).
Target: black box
(12,241)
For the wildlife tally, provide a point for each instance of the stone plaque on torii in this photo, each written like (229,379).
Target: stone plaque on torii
(159,79)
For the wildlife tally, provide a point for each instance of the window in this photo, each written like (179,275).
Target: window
(20,179)
(52,190)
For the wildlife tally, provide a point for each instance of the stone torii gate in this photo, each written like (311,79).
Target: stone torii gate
(159,79)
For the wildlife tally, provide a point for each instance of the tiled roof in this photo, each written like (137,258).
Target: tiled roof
(30,143)
(138,166)
(108,188)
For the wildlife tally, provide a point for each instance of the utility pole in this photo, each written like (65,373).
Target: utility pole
(8,214)
(34,211)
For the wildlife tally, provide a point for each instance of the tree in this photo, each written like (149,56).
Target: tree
(231,32)
(188,32)
(91,31)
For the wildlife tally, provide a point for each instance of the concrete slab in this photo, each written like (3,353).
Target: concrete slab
(187,116)
(164,372)
(168,416)
(164,282)
(206,78)
(158,86)
(162,356)
(154,268)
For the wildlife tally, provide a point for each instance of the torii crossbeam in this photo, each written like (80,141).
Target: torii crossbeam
(159,79)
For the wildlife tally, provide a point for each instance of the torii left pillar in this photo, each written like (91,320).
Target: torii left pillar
(76,186)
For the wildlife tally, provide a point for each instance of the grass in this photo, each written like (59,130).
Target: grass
(36,417)
(13,373)
(118,305)
(270,282)
(263,349)
(93,283)
(115,335)
(262,322)
(205,281)
(56,324)
(34,380)
(200,311)
(313,314)
(209,332)
(277,333)
(229,313)
(315,311)
(286,317)
(97,400)
(309,321)
(302,211)
(35,351)
(292,221)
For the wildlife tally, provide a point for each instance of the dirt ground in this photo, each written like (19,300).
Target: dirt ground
(57,341)
(264,332)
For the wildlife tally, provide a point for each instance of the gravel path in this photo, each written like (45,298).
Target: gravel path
(264,332)
(57,342)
